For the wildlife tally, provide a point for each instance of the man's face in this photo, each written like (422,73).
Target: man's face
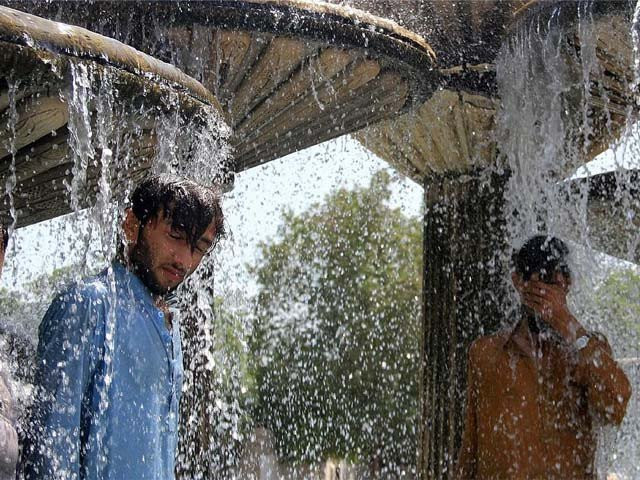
(541,287)
(162,257)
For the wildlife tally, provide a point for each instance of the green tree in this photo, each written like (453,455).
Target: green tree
(20,314)
(233,384)
(336,334)
(617,302)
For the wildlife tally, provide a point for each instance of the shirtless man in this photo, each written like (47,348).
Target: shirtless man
(536,392)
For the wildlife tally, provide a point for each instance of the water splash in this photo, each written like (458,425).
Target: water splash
(81,132)
(12,122)
(558,112)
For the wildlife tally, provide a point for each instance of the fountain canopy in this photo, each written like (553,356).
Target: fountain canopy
(288,73)
(453,130)
(45,65)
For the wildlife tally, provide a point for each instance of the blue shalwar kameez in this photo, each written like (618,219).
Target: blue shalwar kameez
(109,376)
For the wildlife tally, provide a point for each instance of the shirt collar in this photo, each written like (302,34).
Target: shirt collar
(520,339)
(125,278)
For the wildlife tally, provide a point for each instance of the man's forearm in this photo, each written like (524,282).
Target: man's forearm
(568,327)
(608,388)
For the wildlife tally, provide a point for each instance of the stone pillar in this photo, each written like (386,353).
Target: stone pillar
(463,289)
(199,450)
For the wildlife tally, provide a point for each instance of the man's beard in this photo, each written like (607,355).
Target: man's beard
(141,263)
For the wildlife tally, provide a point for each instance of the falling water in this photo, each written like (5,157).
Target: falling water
(557,106)
(112,142)
(546,131)
(80,131)
(11,148)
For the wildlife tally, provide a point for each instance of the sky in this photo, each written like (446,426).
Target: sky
(253,211)
(624,155)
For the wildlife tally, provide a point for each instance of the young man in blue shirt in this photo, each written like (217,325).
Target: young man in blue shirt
(109,355)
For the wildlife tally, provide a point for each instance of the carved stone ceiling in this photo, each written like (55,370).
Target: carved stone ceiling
(289,74)
(293,73)
(36,66)
(453,129)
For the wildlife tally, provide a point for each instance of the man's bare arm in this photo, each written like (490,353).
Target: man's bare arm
(608,388)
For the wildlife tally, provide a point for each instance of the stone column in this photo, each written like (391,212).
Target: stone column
(464,281)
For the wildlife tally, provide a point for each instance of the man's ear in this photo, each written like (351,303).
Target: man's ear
(130,228)
(518,282)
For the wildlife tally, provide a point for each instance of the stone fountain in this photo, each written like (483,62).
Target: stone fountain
(39,60)
(290,74)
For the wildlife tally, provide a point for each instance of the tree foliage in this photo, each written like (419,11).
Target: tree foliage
(234,385)
(617,302)
(336,339)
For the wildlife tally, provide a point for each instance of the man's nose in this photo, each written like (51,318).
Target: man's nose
(183,257)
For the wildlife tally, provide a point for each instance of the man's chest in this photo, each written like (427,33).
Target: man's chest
(536,395)
(144,354)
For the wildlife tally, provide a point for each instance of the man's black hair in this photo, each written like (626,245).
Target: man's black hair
(188,206)
(544,255)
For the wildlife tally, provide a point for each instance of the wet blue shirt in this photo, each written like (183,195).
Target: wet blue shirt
(110,375)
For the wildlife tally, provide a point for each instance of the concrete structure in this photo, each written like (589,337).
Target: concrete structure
(289,74)
(37,57)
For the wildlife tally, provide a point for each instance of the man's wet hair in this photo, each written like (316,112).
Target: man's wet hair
(188,206)
(542,254)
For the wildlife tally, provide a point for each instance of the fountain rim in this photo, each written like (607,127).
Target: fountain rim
(31,31)
(356,16)
(605,185)
(319,21)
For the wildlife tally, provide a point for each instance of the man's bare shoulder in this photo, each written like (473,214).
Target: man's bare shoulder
(488,346)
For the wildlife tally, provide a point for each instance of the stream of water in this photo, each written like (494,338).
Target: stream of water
(552,100)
